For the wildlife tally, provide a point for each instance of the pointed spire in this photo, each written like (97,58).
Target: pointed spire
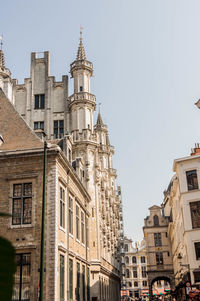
(81,51)
(99,120)
(2,60)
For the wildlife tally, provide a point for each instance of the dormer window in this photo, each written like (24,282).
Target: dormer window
(192,181)
(81,88)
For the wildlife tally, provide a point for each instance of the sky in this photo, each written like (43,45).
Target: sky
(146,58)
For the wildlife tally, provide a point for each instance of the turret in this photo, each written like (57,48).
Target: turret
(82,103)
(5,75)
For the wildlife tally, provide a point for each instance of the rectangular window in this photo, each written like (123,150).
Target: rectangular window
(144,272)
(88,284)
(39,125)
(82,227)
(70,215)
(62,277)
(143,260)
(71,279)
(144,283)
(22,279)
(87,231)
(197,250)
(77,223)
(157,239)
(192,181)
(58,128)
(83,281)
(195,214)
(78,281)
(159,258)
(196,276)
(39,101)
(62,207)
(134,272)
(22,204)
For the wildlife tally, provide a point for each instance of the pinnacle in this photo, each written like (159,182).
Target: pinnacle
(99,120)
(81,52)
(2,60)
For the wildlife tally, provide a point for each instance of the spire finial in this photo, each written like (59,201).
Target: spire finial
(81,33)
(1,42)
(99,107)
(81,51)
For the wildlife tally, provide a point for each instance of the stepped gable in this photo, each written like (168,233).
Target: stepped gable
(16,133)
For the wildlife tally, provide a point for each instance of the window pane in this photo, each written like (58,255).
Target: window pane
(17,190)
(17,211)
(27,210)
(70,279)
(197,250)
(35,125)
(42,101)
(42,125)
(192,180)
(62,277)
(195,214)
(36,101)
(27,189)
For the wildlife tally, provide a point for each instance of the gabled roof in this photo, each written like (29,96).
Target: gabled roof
(16,133)
(154,207)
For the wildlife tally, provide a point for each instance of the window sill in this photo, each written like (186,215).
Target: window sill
(20,226)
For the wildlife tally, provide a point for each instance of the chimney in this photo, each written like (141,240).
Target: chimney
(195,150)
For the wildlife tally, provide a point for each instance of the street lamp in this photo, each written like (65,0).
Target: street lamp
(179,260)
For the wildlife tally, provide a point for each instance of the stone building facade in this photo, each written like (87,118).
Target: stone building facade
(158,247)
(67,121)
(135,261)
(182,204)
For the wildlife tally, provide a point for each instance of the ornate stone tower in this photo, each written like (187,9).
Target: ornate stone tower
(5,77)
(82,102)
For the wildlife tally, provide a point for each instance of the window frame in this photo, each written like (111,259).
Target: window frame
(71,279)
(158,239)
(77,222)
(62,207)
(197,249)
(37,125)
(70,219)
(191,184)
(57,133)
(195,220)
(40,100)
(159,258)
(83,227)
(62,277)
(22,199)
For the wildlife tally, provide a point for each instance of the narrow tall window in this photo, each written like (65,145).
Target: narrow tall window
(58,128)
(135,272)
(134,259)
(195,214)
(144,283)
(127,273)
(83,281)
(88,284)
(78,281)
(156,220)
(157,239)
(39,101)
(70,215)
(87,231)
(77,223)
(82,227)
(62,277)
(127,260)
(22,204)
(197,250)
(22,279)
(144,272)
(143,259)
(71,279)
(159,258)
(62,207)
(136,284)
(192,181)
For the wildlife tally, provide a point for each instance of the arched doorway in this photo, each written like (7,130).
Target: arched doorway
(159,287)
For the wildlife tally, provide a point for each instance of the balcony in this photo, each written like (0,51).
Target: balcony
(82,97)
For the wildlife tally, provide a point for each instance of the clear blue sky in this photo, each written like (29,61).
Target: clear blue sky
(146,56)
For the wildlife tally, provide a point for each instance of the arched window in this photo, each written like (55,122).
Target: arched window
(127,274)
(134,260)
(126,259)
(130,284)
(142,259)
(156,220)
(136,284)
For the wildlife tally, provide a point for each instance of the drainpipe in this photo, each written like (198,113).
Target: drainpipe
(41,297)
